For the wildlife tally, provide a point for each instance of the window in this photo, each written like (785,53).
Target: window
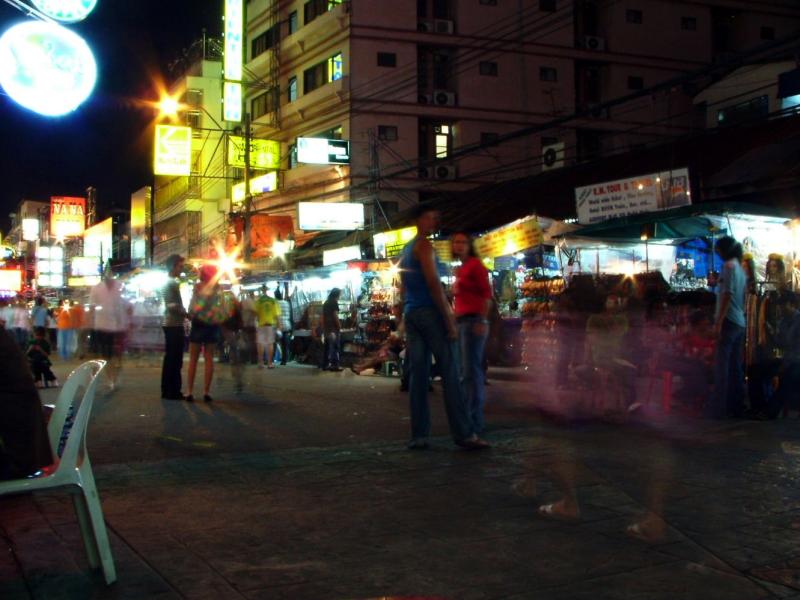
(442,138)
(744,111)
(293,22)
(291,89)
(194,119)
(634,16)
(292,156)
(689,23)
(488,2)
(487,137)
(548,74)
(264,103)
(547,5)
(334,133)
(387,133)
(263,42)
(635,83)
(387,59)
(322,73)
(767,33)
(488,68)
(315,8)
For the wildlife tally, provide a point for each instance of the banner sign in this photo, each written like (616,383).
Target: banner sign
(233,58)
(330,216)
(173,150)
(10,280)
(646,193)
(67,216)
(317,151)
(390,243)
(265,155)
(340,255)
(444,250)
(513,238)
(265,230)
(258,185)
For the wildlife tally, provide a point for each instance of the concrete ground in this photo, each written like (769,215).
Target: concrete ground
(301,488)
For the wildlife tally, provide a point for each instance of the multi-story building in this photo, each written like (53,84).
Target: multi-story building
(411,81)
(191,210)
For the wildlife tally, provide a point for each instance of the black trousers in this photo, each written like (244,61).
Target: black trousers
(283,342)
(173,362)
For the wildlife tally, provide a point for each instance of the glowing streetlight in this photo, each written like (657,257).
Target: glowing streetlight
(168,106)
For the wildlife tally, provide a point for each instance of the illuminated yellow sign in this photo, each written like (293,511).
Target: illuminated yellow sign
(67,216)
(232,101)
(390,243)
(258,185)
(265,155)
(513,238)
(173,150)
(10,280)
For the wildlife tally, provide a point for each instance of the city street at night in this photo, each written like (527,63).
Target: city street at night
(301,487)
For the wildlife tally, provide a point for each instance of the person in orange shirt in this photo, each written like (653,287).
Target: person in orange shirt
(66,334)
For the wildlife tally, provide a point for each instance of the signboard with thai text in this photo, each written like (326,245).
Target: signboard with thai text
(265,155)
(173,150)
(391,243)
(645,193)
(510,239)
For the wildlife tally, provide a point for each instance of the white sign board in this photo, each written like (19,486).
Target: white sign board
(340,255)
(319,151)
(646,193)
(330,216)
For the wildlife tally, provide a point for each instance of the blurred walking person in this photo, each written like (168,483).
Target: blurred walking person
(21,322)
(110,322)
(233,336)
(66,334)
(174,317)
(284,325)
(332,331)
(473,296)
(207,312)
(431,329)
(268,312)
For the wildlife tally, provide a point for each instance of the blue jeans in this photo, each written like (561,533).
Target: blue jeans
(65,337)
(426,334)
(331,351)
(728,397)
(472,378)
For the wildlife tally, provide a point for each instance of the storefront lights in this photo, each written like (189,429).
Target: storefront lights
(46,68)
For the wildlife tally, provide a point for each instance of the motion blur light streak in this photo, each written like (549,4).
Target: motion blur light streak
(46,68)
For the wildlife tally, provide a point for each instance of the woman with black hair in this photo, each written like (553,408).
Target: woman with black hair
(729,330)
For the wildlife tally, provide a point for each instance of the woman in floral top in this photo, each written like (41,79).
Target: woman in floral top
(207,311)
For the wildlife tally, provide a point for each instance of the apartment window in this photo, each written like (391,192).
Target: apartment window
(442,140)
(743,112)
(315,8)
(634,16)
(767,33)
(291,89)
(487,137)
(322,73)
(387,59)
(488,68)
(635,83)
(548,74)
(689,23)
(547,5)
(293,27)
(264,103)
(264,41)
(387,133)
(334,133)
(488,2)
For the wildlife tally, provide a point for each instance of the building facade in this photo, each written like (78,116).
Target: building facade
(411,85)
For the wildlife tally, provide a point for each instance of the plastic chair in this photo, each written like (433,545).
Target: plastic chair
(73,470)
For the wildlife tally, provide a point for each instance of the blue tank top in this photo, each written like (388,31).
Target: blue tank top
(415,289)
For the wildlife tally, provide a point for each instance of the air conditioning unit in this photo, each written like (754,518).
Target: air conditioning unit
(443,26)
(425,26)
(445,172)
(553,156)
(424,172)
(425,99)
(592,42)
(444,98)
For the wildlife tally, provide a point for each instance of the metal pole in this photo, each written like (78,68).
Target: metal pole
(152,228)
(248,198)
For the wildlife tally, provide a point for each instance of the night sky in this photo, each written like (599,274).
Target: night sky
(105,142)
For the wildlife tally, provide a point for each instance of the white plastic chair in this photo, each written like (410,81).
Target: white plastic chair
(73,469)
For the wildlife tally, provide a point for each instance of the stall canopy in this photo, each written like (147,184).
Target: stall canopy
(682,223)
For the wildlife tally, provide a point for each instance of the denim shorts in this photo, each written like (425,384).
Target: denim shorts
(203,333)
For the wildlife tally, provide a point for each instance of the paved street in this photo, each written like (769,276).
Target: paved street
(301,488)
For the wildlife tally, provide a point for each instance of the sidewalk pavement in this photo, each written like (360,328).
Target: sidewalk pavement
(374,520)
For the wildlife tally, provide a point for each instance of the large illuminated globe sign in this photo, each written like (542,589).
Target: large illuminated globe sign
(46,68)
(67,11)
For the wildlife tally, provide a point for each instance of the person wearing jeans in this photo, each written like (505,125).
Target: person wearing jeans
(728,397)
(473,296)
(431,329)
(174,316)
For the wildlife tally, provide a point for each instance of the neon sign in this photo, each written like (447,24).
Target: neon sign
(46,68)
(67,11)
(232,60)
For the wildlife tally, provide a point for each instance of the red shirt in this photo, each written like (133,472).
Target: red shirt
(471,289)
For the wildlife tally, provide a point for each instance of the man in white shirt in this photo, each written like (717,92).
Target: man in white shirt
(110,313)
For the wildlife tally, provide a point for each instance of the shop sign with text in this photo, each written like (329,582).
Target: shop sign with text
(330,216)
(634,195)
(173,150)
(317,151)
(67,216)
(391,243)
(265,155)
(513,238)
(340,255)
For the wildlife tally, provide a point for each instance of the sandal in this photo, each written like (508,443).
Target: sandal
(189,398)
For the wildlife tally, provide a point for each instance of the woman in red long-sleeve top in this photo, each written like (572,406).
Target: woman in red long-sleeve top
(473,297)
